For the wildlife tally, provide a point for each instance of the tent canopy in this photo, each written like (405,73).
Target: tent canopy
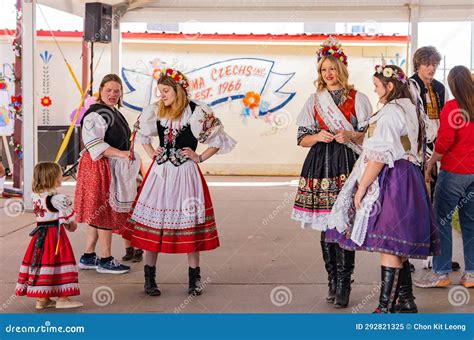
(166,11)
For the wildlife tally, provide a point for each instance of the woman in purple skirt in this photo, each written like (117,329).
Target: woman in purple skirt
(384,206)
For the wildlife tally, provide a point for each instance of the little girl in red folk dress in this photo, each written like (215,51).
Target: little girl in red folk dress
(49,268)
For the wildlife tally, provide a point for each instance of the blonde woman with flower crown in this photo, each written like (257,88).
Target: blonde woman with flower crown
(331,124)
(173,211)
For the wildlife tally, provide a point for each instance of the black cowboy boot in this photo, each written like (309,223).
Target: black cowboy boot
(406,300)
(330,263)
(345,268)
(388,290)
(137,255)
(151,288)
(195,287)
(128,254)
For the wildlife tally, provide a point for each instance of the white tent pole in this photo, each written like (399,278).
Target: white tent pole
(28,94)
(116,48)
(414,21)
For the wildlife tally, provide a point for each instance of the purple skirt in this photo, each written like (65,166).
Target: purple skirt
(404,224)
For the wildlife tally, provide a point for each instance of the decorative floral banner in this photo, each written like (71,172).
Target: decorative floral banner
(218,83)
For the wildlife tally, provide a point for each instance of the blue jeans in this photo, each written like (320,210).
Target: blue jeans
(454,191)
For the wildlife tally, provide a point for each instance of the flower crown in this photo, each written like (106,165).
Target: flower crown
(389,72)
(176,75)
(332,47)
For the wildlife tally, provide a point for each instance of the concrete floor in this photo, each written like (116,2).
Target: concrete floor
(266,263)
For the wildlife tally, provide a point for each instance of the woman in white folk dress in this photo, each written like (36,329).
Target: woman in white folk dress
(173,211)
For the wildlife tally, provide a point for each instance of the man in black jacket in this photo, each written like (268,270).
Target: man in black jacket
(432,95)
(431,92)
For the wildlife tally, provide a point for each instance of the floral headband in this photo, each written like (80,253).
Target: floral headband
(389,72)
(176,75)
(332,47)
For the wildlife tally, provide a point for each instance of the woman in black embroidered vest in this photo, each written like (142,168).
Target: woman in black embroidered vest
(331,125)
(106,137)
(173,211)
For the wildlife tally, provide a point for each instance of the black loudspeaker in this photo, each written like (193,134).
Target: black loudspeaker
(98,22)
(49,141)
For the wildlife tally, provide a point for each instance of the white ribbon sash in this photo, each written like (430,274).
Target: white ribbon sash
(333,117)
(344,215)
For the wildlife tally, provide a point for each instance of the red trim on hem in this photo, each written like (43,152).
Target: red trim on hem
(59,293)
(157,241)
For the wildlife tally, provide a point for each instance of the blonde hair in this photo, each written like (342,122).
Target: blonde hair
(105,80)
(176,109)
(45,176)
(342,75)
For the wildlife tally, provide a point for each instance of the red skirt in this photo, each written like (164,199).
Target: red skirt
(201,237)
(56,275)
(91,199)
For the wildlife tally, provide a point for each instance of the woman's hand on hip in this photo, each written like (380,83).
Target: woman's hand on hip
(189,153)
(158,151)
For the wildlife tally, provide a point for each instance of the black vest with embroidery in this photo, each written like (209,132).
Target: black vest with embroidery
(118,132)
(173,139)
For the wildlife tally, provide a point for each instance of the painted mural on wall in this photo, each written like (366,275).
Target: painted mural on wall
(45,99)
(252,82)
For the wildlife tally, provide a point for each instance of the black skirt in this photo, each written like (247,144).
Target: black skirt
(325,170)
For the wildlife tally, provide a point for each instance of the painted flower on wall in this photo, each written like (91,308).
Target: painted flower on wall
(46,101)
(251,100)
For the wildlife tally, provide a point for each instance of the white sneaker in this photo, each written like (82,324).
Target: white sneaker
(467,280)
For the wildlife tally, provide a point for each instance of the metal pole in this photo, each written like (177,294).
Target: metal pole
(116,48)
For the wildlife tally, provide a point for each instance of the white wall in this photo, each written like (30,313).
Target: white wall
(262,148)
